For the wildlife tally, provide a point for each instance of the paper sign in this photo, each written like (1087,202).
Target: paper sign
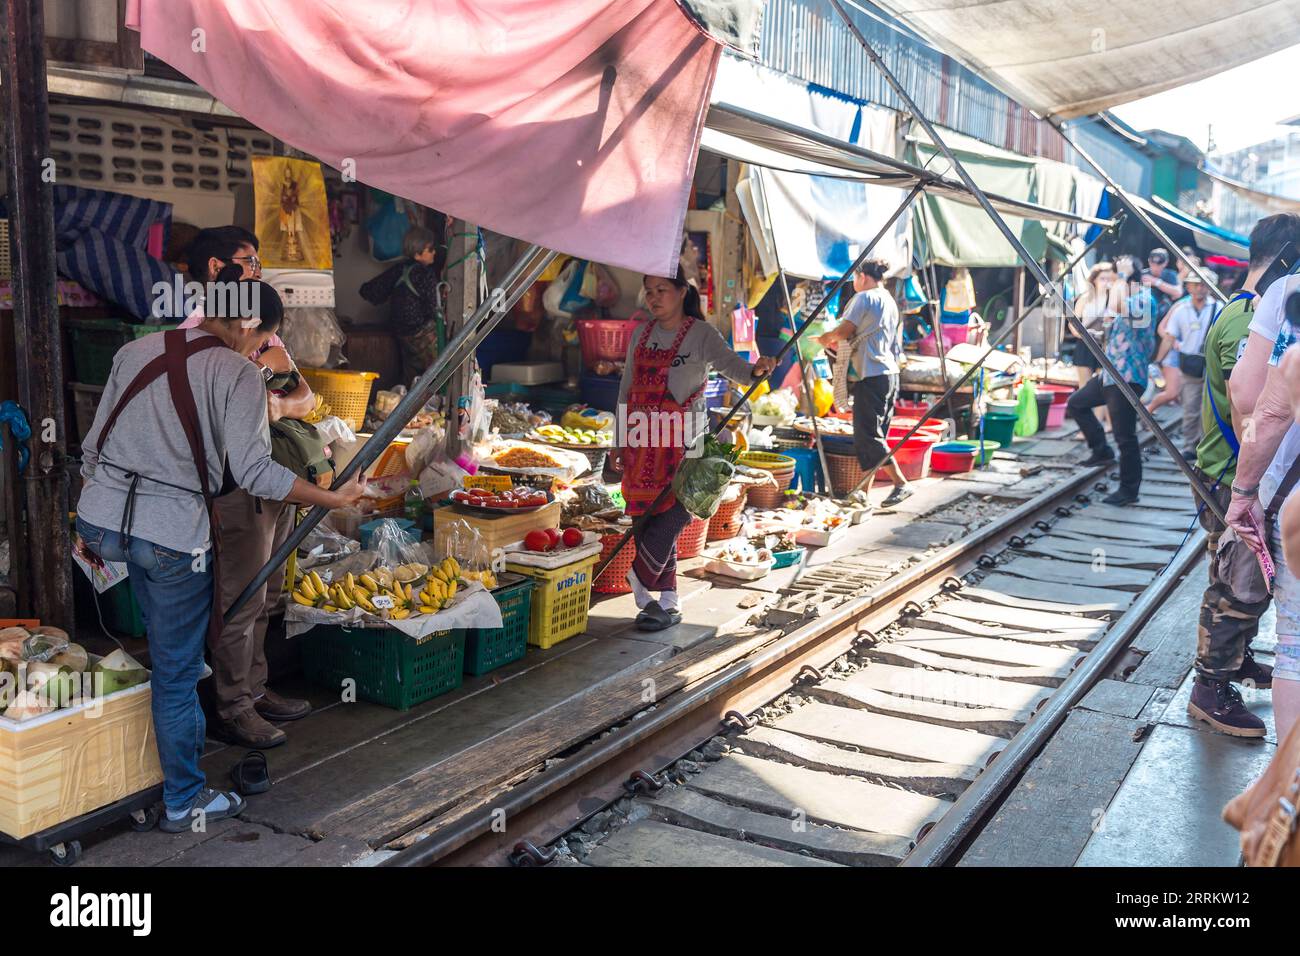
(382,601)
(102,574)
(488,482)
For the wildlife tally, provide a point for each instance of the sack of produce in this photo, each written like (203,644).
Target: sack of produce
(701,482)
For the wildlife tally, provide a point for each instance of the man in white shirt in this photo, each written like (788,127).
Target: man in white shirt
(1188,321)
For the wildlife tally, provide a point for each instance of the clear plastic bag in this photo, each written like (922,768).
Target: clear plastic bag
(467,546)
(427,446)
(309,334)
(323,545)
(394,545)
(334,429)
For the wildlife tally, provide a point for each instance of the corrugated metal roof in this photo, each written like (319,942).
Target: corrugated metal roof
(806,39)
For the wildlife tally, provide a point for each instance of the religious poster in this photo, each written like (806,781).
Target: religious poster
(292,218)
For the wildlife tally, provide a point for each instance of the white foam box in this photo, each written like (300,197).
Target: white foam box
(527,373)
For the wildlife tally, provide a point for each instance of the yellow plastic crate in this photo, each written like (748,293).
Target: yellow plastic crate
(561,600)
(346,393)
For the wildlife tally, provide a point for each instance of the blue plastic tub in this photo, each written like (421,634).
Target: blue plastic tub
(600,391)
(503,345)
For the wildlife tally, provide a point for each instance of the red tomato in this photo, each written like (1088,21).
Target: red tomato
(572,537)
(537,541)
(554,537)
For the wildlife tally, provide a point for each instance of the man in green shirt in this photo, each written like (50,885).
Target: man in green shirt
(1227,625)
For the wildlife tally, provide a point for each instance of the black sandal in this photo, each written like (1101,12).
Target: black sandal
(654,617)
(250,774)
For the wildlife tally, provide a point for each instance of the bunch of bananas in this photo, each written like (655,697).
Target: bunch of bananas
(319,413)
(362,591)
(487,578)
(440,587)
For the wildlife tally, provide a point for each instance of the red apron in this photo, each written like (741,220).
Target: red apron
(647,471)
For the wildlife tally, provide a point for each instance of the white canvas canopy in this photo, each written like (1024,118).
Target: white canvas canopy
(1067,58)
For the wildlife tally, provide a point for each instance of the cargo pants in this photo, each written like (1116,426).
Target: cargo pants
(1227,625)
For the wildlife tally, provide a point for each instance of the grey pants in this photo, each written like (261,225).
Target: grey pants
(1190,394)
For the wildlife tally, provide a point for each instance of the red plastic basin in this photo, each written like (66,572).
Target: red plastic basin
(913,456)
(933,426)
(1060,393)
(951,458)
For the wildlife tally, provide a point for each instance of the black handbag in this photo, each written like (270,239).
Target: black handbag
(1193,366)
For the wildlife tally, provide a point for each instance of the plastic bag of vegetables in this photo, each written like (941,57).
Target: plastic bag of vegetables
(700,482)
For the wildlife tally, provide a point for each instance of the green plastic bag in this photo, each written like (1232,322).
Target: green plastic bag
(1026,411)
(700,482)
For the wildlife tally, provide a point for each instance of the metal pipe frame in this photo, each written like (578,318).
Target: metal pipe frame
(967,375)
(483,320)
(1032,264)
(1143,217)
(798,333)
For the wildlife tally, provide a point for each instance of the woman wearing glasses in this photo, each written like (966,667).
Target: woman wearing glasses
(251,528)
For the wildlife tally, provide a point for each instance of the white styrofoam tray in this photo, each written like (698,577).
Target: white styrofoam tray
(550,560)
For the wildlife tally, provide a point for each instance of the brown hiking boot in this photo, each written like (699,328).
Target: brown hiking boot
(1219,704)
(274,707)
(248,729)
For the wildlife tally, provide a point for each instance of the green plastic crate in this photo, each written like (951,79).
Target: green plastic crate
(486,649)
(96,341)
(389,668)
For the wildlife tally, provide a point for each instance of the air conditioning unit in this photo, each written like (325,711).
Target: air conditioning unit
(302,288)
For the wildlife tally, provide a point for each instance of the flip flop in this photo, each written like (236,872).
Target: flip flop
(897,497)
(654,618)
(250,774)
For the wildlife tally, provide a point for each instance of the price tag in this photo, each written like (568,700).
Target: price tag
(488,482)
(327,576)
(383,602)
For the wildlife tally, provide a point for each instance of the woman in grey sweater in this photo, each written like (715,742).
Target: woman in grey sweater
(660,409)
(145,502)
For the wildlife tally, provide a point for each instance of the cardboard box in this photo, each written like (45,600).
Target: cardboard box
(498,530)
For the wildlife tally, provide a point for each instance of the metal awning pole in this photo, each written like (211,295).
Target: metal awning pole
(794,328)
(936,315)
(803,374)
(483,320)
(1198,486)
(784,350)
(997,340)
(1143,217)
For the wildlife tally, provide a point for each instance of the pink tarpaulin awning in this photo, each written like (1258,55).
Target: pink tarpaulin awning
(573,124)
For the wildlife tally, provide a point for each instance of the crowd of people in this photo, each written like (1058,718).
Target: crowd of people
(1231,368)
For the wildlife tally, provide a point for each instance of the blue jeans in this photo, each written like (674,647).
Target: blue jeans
(175,601)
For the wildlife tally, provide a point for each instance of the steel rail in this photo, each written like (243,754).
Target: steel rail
(573,783)
(940,845)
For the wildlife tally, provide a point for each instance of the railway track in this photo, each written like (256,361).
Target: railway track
(885,719)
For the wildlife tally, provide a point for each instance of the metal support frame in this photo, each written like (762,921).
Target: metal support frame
(1143,217)
(38,336)
(794,328)
(1198,486)
(1009,329)
(458,350)
(803,327)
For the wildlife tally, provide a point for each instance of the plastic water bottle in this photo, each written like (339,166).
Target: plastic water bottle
(413,505)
